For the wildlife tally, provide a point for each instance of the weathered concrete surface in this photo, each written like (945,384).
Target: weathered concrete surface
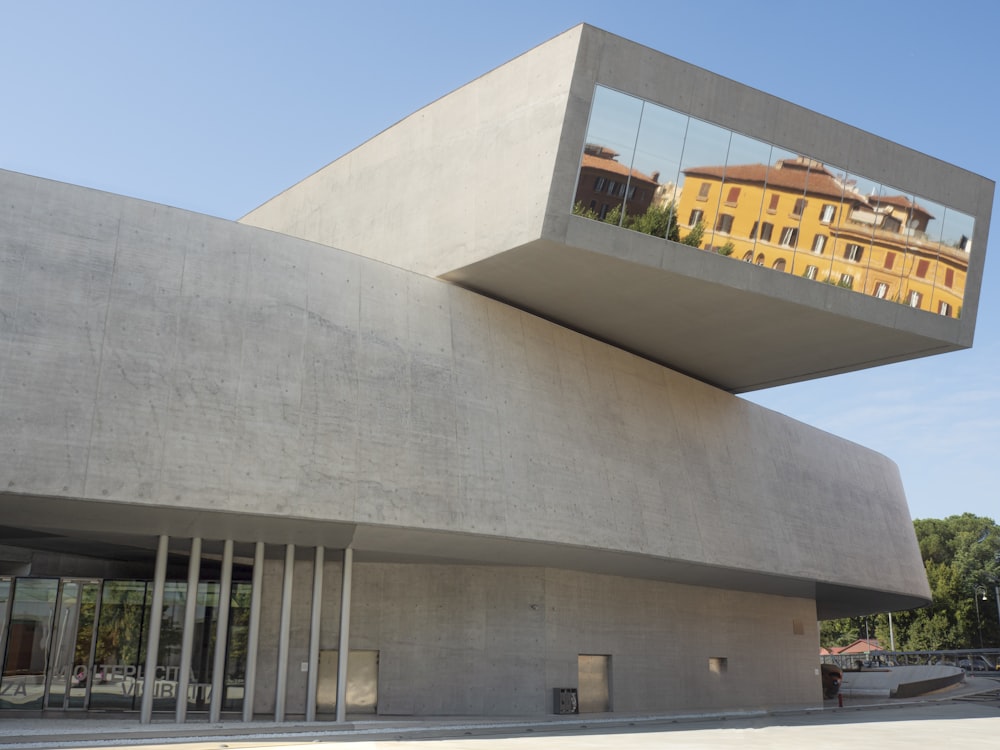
(160,360)
(488,640)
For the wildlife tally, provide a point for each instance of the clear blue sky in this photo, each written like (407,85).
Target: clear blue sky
(217,105)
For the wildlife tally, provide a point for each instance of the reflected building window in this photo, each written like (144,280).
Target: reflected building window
(703,192)
(748,256)
(949,277)
(765,231)
(890,259)
(944,309)
(811,272)
(881,290)
(853,252)
(846,281)
(800,207)
(733,197)
(772,206)
(695,216)
(819,244)
(914,299)
(724,224)
(922,266)
(789,237)
(827,213)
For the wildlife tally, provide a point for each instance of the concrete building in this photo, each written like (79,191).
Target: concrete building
(491,449)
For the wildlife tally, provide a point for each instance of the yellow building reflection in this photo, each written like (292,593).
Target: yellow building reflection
(651,169)
(799,217)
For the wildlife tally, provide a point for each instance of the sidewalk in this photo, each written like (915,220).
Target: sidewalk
(924,718)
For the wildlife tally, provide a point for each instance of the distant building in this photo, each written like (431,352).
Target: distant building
(605,184)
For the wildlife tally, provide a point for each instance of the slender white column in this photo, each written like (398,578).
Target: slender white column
(314,625)
(153,631)
(222,634)
(281,680)
(253,632)
(187,633)
(345,634)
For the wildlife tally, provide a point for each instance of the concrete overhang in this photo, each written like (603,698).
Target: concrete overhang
(730,324)
(478,188)
(127,532)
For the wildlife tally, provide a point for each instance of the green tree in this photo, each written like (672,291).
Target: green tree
(959,553)
(696,234)
(659,221)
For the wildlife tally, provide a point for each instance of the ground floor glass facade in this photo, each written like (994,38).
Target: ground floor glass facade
(78,644)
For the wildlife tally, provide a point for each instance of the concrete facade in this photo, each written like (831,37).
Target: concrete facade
(513,493)
(613,285)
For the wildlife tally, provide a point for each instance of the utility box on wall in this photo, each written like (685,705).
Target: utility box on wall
(565,701)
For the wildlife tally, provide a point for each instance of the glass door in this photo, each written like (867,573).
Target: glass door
(70,656)
(26,644)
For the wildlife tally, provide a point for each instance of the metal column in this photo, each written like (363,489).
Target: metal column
(187,634)
(281,678)
(345,634)
(314,623)
(222,633)
(253,632)
(153,632)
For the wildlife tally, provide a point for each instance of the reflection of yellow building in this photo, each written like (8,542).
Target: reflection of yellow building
(797,217)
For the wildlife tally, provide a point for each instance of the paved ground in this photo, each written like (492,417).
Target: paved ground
(966,717)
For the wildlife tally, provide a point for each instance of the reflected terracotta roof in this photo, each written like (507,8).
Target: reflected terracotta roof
(904,202)
(786,175)
(610,165)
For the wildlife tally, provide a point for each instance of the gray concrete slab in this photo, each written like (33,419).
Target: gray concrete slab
(968,715)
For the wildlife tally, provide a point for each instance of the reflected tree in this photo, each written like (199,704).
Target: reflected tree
(658,221)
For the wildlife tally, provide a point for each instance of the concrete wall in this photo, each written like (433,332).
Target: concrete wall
(461,179)
(484,640)
(154,357)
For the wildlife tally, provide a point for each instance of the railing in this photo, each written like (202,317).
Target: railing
(971,660)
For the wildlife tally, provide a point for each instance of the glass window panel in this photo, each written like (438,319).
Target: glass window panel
(607,154)
(703,168)
(203,652)
(236,658)
(782,201)
(923,248)
(83,649)
(743,191)
(953,262)
(5,585)
(63,650)
(32,609)
(851,245)
(652,192)
(119,649)
(890,241)
(169,652)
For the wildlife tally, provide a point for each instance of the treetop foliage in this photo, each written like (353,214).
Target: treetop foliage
(962,558)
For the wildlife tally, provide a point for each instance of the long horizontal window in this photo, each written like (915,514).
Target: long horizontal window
(699,184)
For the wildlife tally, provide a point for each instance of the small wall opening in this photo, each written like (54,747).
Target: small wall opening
(718,664)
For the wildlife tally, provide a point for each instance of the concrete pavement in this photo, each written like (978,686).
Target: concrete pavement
(968,716)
